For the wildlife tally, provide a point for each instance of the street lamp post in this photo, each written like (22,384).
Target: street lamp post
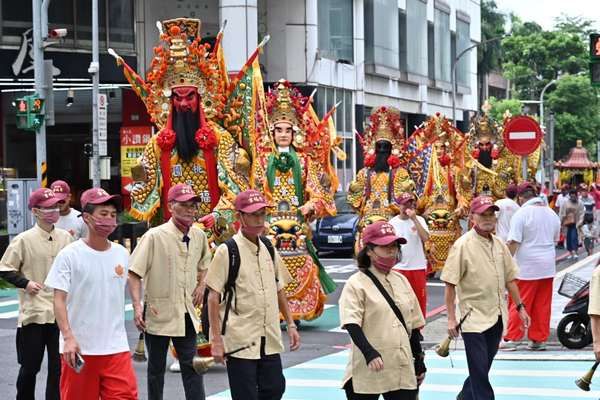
(550,144)
(456,60)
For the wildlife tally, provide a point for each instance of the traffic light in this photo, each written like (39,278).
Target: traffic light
(29,112)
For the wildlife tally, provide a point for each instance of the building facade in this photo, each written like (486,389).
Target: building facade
(362,53)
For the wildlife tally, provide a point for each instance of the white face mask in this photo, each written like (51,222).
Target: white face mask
(283,149)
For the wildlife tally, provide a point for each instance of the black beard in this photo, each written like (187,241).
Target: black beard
(383,149)
(485,158)
(185,125)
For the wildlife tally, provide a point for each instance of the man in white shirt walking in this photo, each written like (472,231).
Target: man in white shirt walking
(89,277)
(534,231)
(69,217)
(508,207)
(413,264)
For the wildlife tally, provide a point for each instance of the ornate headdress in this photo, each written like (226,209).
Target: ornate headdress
(286,104)
(483,125)
(384,124)
(180,59)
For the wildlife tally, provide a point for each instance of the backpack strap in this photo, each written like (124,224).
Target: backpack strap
(269,245)
(387,298)
(234,269)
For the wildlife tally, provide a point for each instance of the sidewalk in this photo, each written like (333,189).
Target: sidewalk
(436,330)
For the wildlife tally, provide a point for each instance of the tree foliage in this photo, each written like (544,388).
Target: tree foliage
(532,57)
(499,107)
(577,113)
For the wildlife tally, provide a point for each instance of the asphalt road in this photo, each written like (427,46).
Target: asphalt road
(319,338)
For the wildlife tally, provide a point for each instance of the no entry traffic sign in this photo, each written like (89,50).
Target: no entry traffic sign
(522,135)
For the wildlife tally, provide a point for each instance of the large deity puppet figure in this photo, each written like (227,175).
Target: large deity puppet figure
(437,165)
(374,192)
(290,171)
(186,94)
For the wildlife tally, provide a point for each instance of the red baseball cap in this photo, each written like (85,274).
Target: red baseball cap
(405,198)
(523,186)
(42,197)
(99,196)
(381,233)
(182,192)
(250,201)
(61,189)
(481,204)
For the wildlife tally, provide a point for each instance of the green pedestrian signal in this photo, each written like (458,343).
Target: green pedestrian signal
(30,112)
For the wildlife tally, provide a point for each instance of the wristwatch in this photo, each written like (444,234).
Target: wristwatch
(520,306)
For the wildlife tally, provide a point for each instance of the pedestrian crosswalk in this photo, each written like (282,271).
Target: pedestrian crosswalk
(9,305)
(514,377)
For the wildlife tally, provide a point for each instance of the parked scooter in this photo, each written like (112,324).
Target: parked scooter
(574,331)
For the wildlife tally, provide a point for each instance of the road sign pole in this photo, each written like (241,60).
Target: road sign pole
(524,167)
(95,71)
(40,88)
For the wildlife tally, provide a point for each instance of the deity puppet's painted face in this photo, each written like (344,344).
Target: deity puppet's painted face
(185,99)
(283,133)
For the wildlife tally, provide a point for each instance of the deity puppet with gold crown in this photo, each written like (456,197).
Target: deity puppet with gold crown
(374,192)
(493,167)
(292,168)
(195,106)
(437,165)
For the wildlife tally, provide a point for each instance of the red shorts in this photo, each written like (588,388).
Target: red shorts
(418,281)
(108,377)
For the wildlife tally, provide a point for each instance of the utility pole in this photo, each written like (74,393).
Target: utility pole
(94,70)
(551,152)
(40,85)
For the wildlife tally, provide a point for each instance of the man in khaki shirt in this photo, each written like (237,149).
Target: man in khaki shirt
(258,300)
(594,309)
(478,270)
(172,260)
(25,264)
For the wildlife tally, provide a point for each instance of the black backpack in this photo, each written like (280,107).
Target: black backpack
(229,290)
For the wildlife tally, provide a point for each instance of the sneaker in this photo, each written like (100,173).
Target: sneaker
(506,345)
(536,346)
(575,257)
(175,367)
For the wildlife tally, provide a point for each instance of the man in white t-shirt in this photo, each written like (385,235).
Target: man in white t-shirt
(69,217)
(413,264)
(534,231)
(508,207)
(562,198)
(89,278)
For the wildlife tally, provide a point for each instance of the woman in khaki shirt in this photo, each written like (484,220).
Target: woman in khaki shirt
(386,356)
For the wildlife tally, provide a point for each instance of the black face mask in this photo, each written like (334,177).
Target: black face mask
(185,125)
(383,149)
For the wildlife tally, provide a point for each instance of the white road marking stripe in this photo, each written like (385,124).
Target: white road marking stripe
(588,260)
(518,391)
(436,284)
(15,314)
(8,303)
(459,371)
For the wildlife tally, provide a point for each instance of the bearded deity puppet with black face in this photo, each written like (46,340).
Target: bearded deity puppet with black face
(384,178)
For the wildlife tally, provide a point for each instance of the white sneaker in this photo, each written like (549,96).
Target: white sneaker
(175,367)
(508,345)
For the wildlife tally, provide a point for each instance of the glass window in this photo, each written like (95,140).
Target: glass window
(335,29)
(61,15)
(381,33)
(442,45)
(416,34)
(16,17)
(84,23)
(463,41)
(430,52)
(120,23)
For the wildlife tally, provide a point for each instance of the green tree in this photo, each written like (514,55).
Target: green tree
(577,114)
(499,107)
